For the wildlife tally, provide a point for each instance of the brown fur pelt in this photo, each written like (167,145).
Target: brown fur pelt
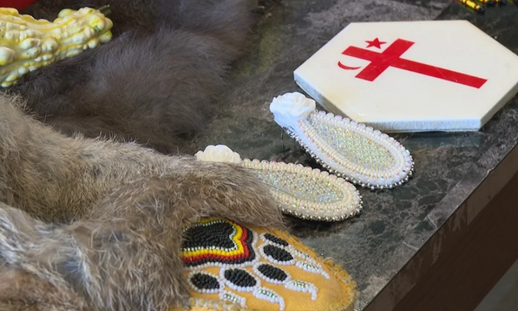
(154,82)
(96,225)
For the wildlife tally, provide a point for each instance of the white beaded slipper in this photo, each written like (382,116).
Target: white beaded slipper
(301,191)
(357,152)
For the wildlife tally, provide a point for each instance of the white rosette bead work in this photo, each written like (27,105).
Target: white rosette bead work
(300,191)
(357,152)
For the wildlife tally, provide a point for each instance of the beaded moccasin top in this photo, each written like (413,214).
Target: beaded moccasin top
(233,267)
(301,191)
(361,154)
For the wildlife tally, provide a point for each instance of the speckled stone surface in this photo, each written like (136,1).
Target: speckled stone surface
(449,166)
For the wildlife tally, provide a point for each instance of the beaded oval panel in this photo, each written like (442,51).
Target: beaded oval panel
(357,152)
(308,193)
(255,268)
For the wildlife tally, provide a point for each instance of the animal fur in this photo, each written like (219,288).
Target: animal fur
(154,82)
(96,225)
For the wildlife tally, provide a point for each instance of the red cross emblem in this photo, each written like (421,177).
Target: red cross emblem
(17,4)
(391,57)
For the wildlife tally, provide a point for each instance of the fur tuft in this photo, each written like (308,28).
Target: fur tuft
(96,225)
(154,82)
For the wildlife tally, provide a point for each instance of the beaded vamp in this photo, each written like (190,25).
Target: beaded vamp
(355,151)
(232,266)
(308,193)
(300,191)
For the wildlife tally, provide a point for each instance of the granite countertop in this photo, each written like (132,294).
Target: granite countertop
(394,224)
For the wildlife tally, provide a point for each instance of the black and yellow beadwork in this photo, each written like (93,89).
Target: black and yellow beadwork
(217,241)
(228,265)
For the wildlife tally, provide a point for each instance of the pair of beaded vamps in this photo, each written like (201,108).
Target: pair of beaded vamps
(352,152)
(229,266)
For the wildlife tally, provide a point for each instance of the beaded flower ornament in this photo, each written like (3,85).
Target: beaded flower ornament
(301,191)
(229,266)
(357,152)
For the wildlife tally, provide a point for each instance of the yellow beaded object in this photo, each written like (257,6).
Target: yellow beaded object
(229,266)
(27,44)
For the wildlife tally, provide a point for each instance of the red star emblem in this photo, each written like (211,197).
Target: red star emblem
(375,43)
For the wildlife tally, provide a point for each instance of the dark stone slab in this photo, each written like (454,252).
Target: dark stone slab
(449,166)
